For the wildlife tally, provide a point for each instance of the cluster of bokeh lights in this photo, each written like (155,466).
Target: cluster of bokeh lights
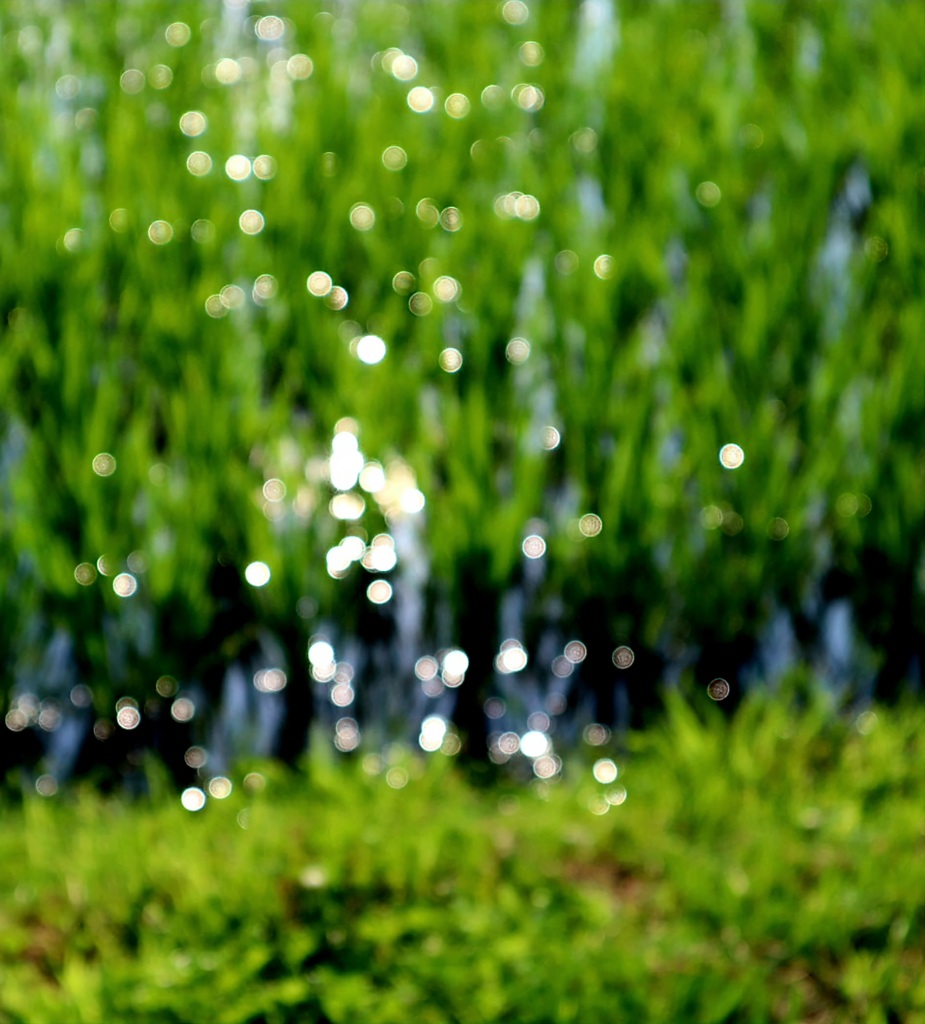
(348,471)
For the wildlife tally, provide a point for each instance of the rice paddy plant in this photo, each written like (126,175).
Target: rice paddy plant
(599,243)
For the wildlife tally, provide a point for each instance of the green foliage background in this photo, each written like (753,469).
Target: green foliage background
(748,333)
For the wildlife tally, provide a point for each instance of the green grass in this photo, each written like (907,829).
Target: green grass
(768,868)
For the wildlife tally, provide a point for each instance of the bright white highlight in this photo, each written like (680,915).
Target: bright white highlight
(534,743)
(320,653)
(371,349)
(257,574)
(455,662)
(193,799)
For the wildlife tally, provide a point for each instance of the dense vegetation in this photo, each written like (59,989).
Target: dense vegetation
(526,366)
(700,220)
(767,868)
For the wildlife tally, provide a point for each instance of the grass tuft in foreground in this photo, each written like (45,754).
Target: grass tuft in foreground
(768,868)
